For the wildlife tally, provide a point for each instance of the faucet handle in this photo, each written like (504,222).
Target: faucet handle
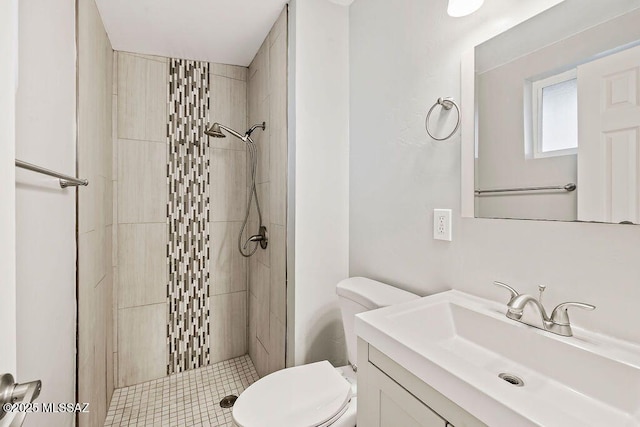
(560,316)
(512,291)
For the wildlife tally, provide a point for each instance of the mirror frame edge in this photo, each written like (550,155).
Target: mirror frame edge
(467,135)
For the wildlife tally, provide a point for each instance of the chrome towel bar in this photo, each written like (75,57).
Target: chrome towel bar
(568,188)
(65,180)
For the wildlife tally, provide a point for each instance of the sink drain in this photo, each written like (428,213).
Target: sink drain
(228,401)
(512,379)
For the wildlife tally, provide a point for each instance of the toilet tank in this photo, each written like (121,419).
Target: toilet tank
(358,294)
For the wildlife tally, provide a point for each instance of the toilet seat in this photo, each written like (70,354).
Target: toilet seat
(313,395)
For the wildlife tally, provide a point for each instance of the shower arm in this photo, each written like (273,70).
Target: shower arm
(262,126)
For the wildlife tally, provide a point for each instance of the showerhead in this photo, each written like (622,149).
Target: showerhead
(215,131)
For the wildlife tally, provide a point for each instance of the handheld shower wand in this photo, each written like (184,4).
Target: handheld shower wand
(261,239)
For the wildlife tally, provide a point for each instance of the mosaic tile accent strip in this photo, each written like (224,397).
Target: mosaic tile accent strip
(187,399)
(188,216)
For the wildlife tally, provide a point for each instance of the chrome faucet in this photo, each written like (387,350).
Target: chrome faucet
(557,323)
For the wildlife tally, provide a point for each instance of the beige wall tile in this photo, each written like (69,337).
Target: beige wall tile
(146,56)
(278,82)
(277,344)
(267,100)
(114,244)
(142,350)
(115,370)
(226,266)
(142,98)
(85,388)
(114,138)
(253,87)
(220,93)
(102,246)
(114,309)
(228,189)
(236,72)
(95,213)
(261,361)
(280,26)
(105,134)
(228,107)
(259,276)
(218,69)
(87,199)
(238,108)
(262,141)
(86,302)
(142,182)
(264,194)
(278,271)
(142,264)
(108,252)
(262,293)
(99,373)
(132,73)
(108,201)
(278,176)
(228,326)
(263,255)
(157,80)
(252,338)
(231,71)
(259,73)
(87,268)
(110,344)
(114,86)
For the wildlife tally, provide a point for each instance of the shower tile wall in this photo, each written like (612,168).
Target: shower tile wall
(228,202)
(95,278)
(267,269)
(140,158)
(140,197)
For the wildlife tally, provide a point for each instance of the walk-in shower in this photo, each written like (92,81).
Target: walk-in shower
(261,239)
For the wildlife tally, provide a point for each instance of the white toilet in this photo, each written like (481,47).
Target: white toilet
(317,394)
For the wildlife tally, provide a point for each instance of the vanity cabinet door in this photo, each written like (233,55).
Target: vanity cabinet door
(398,407)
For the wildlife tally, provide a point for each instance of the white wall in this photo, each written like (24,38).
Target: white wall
(404,55)
(321,97)
(8,69)
(45,213)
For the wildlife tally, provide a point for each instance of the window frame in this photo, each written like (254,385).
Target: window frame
(537,88)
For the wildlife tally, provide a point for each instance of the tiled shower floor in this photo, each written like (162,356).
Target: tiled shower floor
(187,399)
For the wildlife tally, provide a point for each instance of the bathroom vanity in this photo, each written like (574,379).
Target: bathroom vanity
(456,358)
(389,396)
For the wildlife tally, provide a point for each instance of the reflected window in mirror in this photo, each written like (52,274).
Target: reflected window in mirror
(554,115)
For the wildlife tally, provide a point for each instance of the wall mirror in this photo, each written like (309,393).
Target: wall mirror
(557,116)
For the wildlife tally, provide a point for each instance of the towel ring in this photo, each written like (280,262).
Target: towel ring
(447,104)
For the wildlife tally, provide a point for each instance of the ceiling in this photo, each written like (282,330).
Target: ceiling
(223,31)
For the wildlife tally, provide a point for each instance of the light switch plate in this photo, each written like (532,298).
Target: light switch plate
(442,224)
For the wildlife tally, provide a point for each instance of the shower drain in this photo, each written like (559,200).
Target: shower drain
(228,401)
(512,379)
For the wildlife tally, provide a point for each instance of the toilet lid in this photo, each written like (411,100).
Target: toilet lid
(303,396)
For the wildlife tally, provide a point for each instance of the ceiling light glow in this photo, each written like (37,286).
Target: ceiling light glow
(459,8)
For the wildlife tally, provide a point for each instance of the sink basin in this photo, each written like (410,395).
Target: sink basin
(460,344)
